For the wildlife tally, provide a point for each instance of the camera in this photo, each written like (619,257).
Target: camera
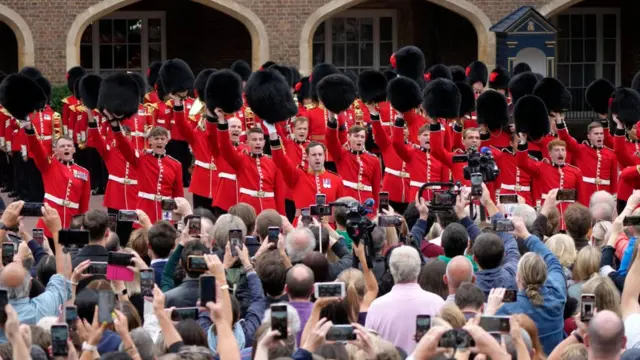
(442,200)
(479,162)
(359,227)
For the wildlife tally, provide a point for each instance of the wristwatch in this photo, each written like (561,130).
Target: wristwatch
(4,227)
(87,347)
(577,336)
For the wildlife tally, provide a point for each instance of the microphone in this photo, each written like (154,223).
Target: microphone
(485,150)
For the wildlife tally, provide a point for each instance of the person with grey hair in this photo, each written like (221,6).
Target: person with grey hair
(459,270)
(602,212)
(293,320)
(393,315)
(605,198)
(526,213)
(225,223)
(299,243)
(143,342)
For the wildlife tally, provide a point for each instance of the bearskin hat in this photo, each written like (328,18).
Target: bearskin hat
(74,74)
(492,110)
(142,85)
(598,94)
(89,89)
(625,103)
(441,99)
(409,61)
(31,72)
(555,95)
(531,117)
(21,96)
(403,94)
(390,74)
(521,85)
(269,96)
(336,92)
(372,86)
(635,84)
(303,88)
(162,92)
(499,79)
(467,98)
(2,75)
(241,68)
(35,75)
(153,73)
(457,73)
(267,65)
(477,72)
(201,83)
(285,72)
(318,73)
(521,68)
(119,94)
(176,76)
(224,90)
(438,71)
(295,73)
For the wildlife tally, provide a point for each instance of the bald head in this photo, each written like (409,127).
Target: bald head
(459,270)
(605,336)
(299,283)
(13,275)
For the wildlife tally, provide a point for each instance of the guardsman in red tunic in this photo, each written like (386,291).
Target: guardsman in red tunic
(597,96)
(625,113)
(468,117)
(296,148)
(493,118)
(511,180)
(628,182)
(5,165)
(477,76)
(6,124)
(470,139)
(68,119)
(557,99)
(598,163)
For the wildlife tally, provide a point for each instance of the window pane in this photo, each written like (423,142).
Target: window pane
(576,51)
(134,56)
(609,72)
(86,56)
(337,29)
(119,57)
(155,30)
(87,35)
(155,52)
(564,51)
(106,60)
(577,99)
(590,26)
(318,36)
(119,31)
(386,29)
(590,50)
(338,54)
(564,23)
(386,50)
(563,74)
(318,54)
(105,32)
(133,36)
(366,29)
(352,54)
(609,26)
(589,73)
(366,54)
(609,51)
(576,26)
(351,29)
(576,75)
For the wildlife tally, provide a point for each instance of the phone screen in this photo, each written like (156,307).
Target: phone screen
(273,234)
(184,313)
(321,199)
(97,268)
(329,289)
(476,179)
(588,304)
(235,237)
(106,304)
(509,296)
(341,333)
(169,205)
(207,289)
(4,300)
(423,324)
(508,199)
(383,199)
(127,216)
(31,209)
(38,235)
(566,195)
(495,324)
(195,226)
(196,263)
(279,320)
(70,314)
(8,251)
(503,225)
(146,282)
(113,222)
(59,336)
(631,221)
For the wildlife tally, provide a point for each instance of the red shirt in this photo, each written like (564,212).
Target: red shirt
(445,157)
(138,124)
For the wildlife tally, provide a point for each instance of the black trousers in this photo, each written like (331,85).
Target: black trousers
(96,168)
(398,207)
(18,165)
(180,151)
(218,211)
(34,183)
(6,180)
(290,209)
(123,228)
(203,202)
(81,157)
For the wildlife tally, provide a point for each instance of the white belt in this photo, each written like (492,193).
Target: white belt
(359,186)
(227,176)
(208,166)
(402,174)
(123,180)
(596,181)
(257,194)
(46,137)
(137,133)
(419,184)
(515,187)
(160,121)
(152,197)
(63,203)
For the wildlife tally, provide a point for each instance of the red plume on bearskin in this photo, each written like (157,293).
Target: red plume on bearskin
(477,72)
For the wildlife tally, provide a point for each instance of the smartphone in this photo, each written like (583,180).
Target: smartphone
(631,221)
(185,313)
(566,195)
(59,336)
(196,263)
(32,209)
(70,314)
(383,200)
(509,296)
(169,205)
(329,289)
(306,217)
(38,235)
(508,199)
(273,234)
(279,320)
(147,279)
(113,222)
(127,216)
(320,210)
(503,225)
(389,220)
(4,300)
(341,333)
(106,305)
(321,199)
(457,339)
(207,289)
(423,324)
(97,268)
(8,251)
(588,304)
(120,259)
(75,237)
(195,226)
(498,324)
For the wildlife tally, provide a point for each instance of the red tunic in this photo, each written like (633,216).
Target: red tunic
(179,135)
(511,179)
(498,139)
(160,177)
(81,126)
(160,115)
(67,120)
(6,123)
(396,180)
(599,166)
(445,157)
(43,124)
(67,186)
(541,146)
(470,121)
(138,124)
(415,120)
(318,117)
(260,183)
(629,181)
(122,186)
(360,171)
(4,118)
(626,151)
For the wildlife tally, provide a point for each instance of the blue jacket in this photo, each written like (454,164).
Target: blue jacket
(549,317)
(505,275)
(158,268)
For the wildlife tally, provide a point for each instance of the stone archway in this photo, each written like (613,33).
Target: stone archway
(26,47)
(479,20)
(255,26)
(555,7)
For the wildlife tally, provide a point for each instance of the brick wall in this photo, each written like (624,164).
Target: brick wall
(9,58)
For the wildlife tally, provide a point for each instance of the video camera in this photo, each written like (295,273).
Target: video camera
(479,162)
(443,200)
(359,227)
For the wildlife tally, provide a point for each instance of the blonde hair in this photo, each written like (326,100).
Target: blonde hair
(453,315)
(139,242)
(530,327)
(563,247)
(435,232)
(354,277)
(574,352)
(587,263)
(607,295)
(532,272)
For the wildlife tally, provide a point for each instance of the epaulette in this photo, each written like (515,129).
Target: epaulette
(66,100)
(56,115)
(147,96)
(458,150)
(154,106)
(332,172)
(72,107)
(79,108)
(573,166)
(608,148)
(172,158)
(507,149)
(4,111)
(311,106)
(169,102)
(192,118)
